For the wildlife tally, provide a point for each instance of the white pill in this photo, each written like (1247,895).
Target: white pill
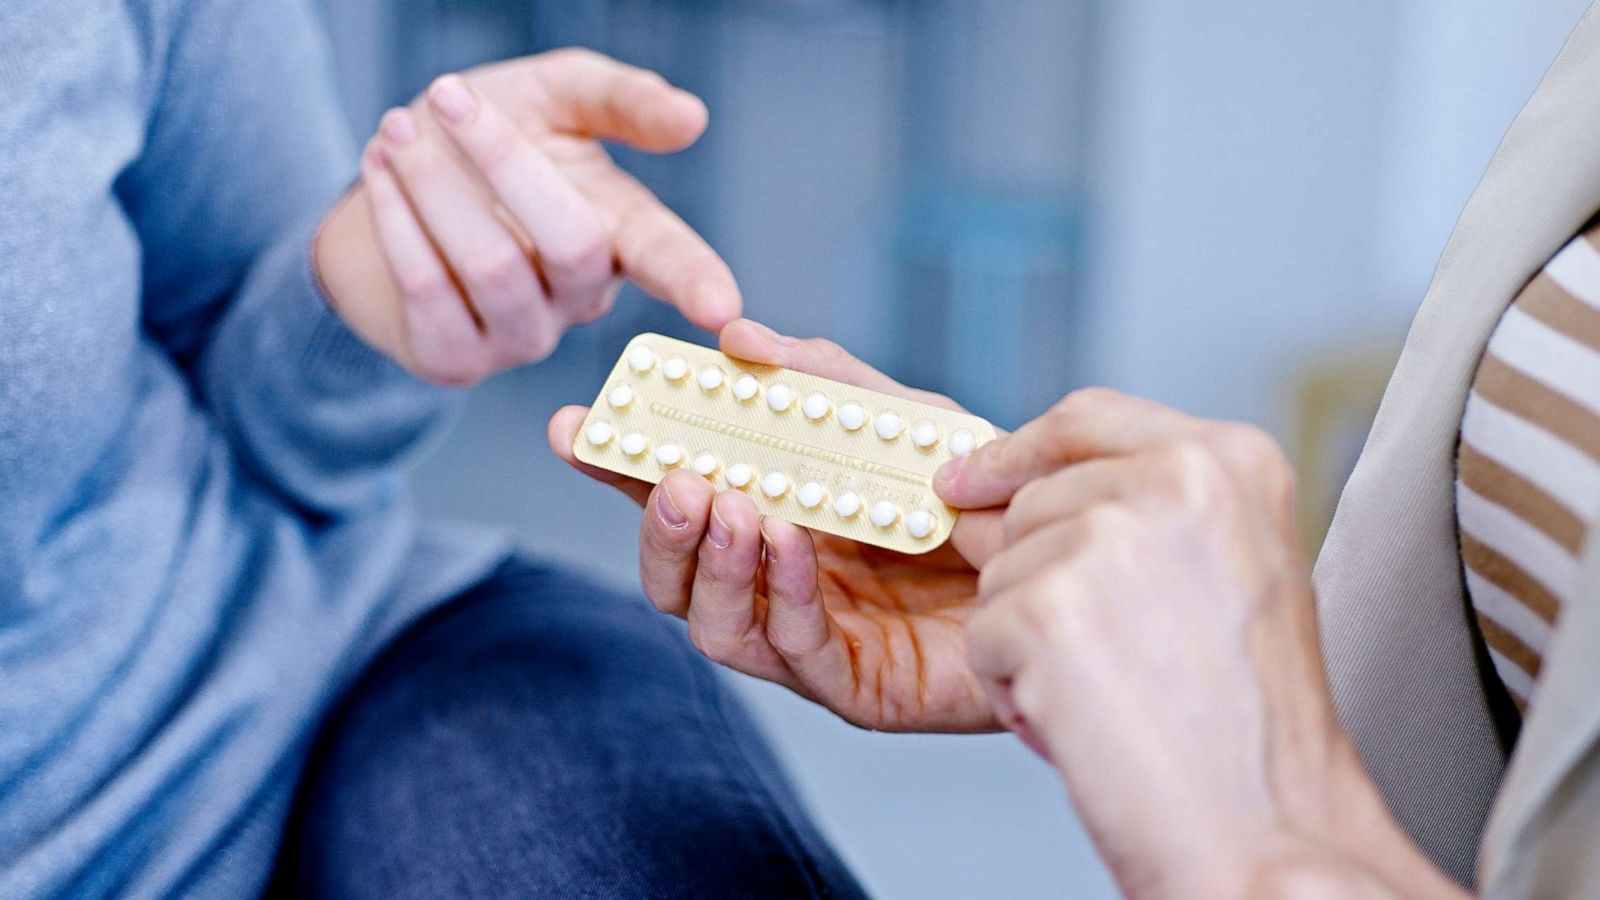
(705,464)
(774,484)
(962,442)
(739,475)
(711,378)
(600,433)
(815,406)
(811,495)
(669,455)
(846,505)
(887,425)
(919,523)
(676,368)
(641,359)
(634,443)
(620,397)
(780,397)
(745,387)
(852,416)
(925,434)
(884,513)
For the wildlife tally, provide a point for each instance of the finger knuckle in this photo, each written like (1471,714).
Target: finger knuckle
(442,81)
(1255,454)
(827,351)
(987,577)
(500,269)
(1244,444)
(594,304)
(538,344)
(574,55)
(493,150)
(1022,509)
(1066,417)
(421,285)
(583,251)
(1188,470)
(461,369)
(1084,401)
(1109,520)
(1046,609)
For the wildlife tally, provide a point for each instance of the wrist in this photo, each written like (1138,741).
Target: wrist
(1338,839)
(353,276)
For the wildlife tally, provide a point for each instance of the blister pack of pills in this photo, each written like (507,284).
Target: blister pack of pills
(816,452)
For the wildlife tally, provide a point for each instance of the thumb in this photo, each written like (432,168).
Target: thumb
(592,95)
(1086,424)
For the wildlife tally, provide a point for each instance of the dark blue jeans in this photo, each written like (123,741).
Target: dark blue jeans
(543,737)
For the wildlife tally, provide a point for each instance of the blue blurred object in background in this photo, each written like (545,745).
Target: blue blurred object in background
(1215,205)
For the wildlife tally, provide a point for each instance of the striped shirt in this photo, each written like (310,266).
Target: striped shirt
(1528,476)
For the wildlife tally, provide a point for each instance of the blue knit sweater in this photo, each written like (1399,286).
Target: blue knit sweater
(203,531)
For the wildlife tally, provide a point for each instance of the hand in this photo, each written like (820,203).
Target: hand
(874,635)
(1149,628)
(489,218)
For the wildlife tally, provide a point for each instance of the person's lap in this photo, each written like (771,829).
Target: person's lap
(542,736)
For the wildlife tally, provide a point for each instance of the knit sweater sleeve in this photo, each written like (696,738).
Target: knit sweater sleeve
(245,150)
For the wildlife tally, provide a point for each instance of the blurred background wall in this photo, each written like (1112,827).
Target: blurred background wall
(1231,206)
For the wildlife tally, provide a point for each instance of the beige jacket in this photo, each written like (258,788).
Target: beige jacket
(1389,582)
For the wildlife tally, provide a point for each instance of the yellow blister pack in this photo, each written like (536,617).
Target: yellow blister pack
(815,452)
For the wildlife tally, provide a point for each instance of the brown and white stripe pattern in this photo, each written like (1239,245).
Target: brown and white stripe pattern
(1528,478)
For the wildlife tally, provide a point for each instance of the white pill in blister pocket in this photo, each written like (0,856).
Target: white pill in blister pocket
(705,464)
(811,495)
(852,416)
(780,397)
(962,442)
(634,443)
(641,359)
(711,378)
(620,397)
(774,484)
(846,505)
(739,475)
(884,513)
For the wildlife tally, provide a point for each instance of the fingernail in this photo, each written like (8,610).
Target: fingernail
(453,99)
(767,552)
(718,532)
(375,155)
(669,511)
(398,126)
